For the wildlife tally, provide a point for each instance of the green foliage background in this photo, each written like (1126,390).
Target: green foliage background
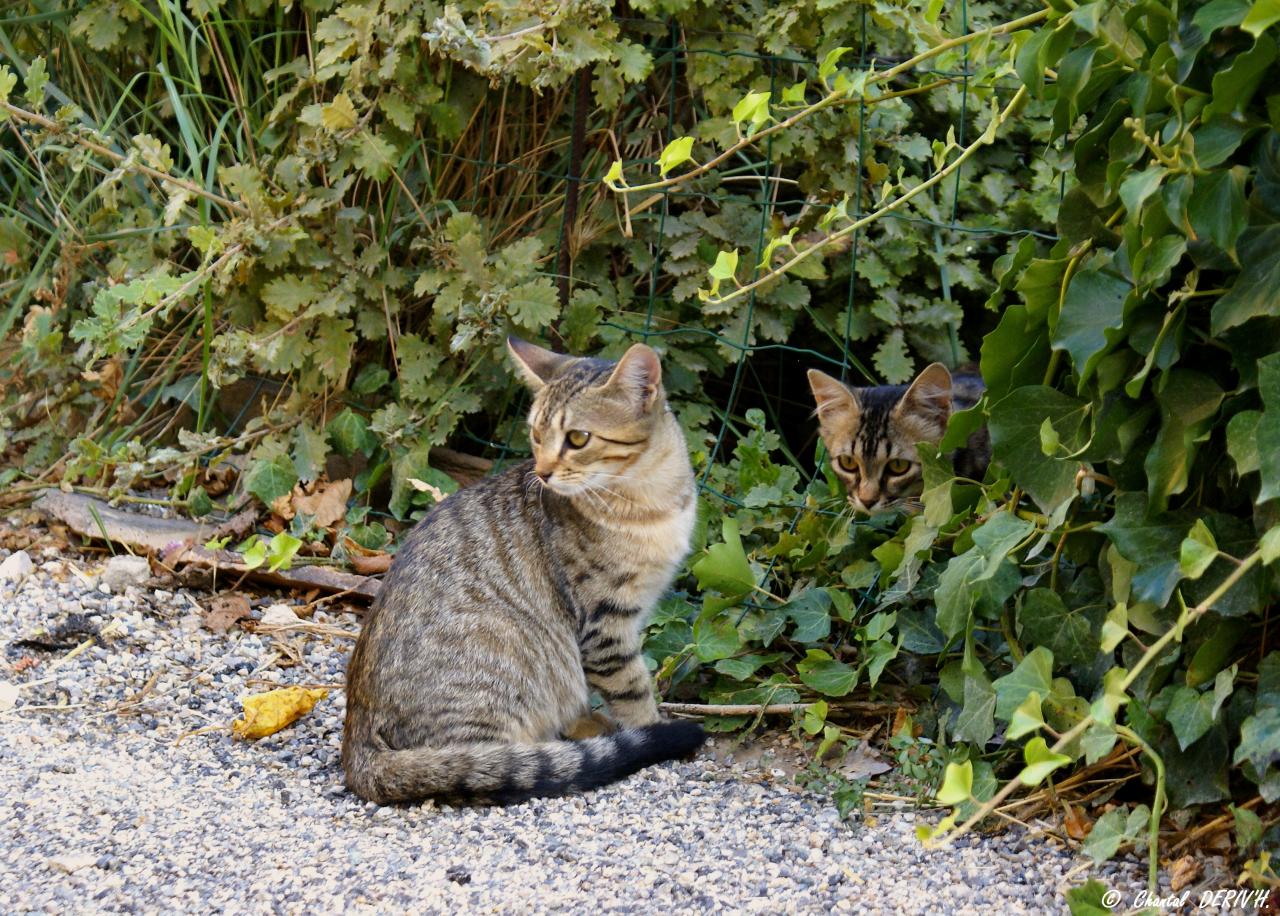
(276,236)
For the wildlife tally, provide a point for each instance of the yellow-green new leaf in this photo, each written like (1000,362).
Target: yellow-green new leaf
(1026,718)
(1198,551)
(677,151)
(1115,627)
(725,268)
(957,783)
(831,61)
(1270,546)
(613,177)
(1040,762)
(1261,16)
(753,107)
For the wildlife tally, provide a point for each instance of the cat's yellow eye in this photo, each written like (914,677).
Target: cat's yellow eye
(577,438)
(847,463)
(898,466)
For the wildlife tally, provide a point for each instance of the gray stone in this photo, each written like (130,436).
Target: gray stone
(16,567)
(123,571)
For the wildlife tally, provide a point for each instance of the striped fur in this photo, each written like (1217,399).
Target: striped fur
(869,431)
(515,597)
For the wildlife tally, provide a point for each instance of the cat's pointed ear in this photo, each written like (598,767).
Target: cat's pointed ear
(536,364)
(929,394)
(638,376)
(830,394)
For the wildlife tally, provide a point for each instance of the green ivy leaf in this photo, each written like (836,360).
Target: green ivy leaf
(1092,319)
(281,550)
(830,62)
(1253,294)
(957,784)
(1268,436)
(676,152)
(1045,621)
(976,720)
(1261,16)
(199,503)
(1015,439)
(1089,899)
(1113,828)
(349,433)
(1151,543)
(1248,828)
(1033,674)
(1198,551)
(725,567)
(1242,441)
(255,554)
(714,635)
(811,613)
(1027,718)
(1189,715)
(1040,762)
(270,479)
(1216,208)
(613,178)
(1260,739)
(754,107)
(826,675)
(1269,546)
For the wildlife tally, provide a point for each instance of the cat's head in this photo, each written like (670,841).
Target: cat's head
(871,433)
(592,420)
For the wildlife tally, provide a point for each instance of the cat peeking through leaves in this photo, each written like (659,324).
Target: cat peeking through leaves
(871,433)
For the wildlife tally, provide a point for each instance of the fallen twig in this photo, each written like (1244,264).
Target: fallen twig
(864,707)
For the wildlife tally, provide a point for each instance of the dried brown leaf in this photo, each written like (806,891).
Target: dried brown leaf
(370,565)
(1183,872)
(327,505)
(1077,823)
(224,611)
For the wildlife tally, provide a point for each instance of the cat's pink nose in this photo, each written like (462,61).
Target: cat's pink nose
(544,473)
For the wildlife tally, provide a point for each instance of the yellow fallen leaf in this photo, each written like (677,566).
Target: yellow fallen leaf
(267,713)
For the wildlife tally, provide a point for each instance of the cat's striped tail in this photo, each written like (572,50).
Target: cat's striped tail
(504,774)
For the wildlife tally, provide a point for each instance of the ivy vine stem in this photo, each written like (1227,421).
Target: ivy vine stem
(934,179)
(1188,616)
(1157,803)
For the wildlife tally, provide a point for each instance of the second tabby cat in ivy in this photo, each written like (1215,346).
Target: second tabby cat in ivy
(871,433)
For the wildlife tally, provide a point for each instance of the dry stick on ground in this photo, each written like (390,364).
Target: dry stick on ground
(773,709)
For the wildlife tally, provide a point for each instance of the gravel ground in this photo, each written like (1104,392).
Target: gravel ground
(103,809)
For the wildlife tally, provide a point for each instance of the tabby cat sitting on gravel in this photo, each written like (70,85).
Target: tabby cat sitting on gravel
(515,597)
(871,433)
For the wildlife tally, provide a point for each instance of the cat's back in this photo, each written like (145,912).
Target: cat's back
(466,529)
(478,551)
